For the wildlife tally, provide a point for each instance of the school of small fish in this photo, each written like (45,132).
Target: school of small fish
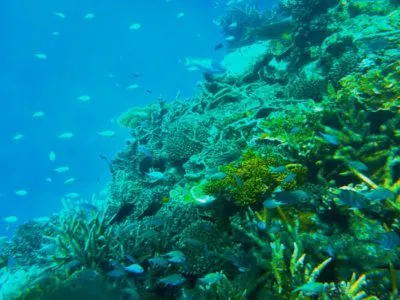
(153,175)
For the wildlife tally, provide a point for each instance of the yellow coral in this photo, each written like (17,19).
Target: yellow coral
(133,116)
(377,89)
(251,178)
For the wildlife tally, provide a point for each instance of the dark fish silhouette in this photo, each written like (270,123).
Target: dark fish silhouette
(109,163)
(152,209)
(292,197)
(379,194)
(135,75)
(330,139)
(218,46)
(358,165)
(352,199)
(286,198)
(389,241)
(123,212)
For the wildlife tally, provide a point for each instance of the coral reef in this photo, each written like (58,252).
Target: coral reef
(280,179)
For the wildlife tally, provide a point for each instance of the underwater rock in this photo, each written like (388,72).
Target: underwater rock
(245,61)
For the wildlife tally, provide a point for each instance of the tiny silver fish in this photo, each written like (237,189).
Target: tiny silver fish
(173,280)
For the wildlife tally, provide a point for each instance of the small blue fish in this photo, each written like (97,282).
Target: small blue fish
(279,169)
(173,280)
(130,258)
(330,139)
(261,225)
(291,197)
(272,203)
(205,226)
(211,278)
(286,198)
(295,130)
(275,227)
(238,180)
(131,292)
(158,261)
(73,264)
(330,251)
(389,241)
(195,243)
(358,165)
(144,150)
(379,194)
(352,199)
(135,269)
(311,288)
(217,176)
(289,178)
(176,257)
(117,273)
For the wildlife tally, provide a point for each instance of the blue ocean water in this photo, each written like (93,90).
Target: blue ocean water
(99,57)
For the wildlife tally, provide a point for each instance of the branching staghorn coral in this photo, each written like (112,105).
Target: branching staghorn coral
(84,239)
(296,275)
(364,120)
(286,272)
(353,289)
(88,239)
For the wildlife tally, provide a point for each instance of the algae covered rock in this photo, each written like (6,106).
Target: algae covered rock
(370,7)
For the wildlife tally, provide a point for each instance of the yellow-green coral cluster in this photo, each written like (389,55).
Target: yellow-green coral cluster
(133,116)
(369,7)
(249,180)
(378,88)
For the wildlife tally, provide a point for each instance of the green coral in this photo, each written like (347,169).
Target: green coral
(370,7)
(303,88)
(184,139)
(377,89)
(83,239)
(251,178)
(133,116)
